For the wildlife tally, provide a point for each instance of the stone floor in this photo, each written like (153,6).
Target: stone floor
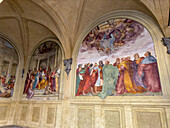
(12,126)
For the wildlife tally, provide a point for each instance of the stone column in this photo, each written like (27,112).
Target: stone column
(38,63)
(48,60)
(59,59)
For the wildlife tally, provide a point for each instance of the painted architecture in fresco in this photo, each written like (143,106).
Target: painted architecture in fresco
(117,58)
(44,72)
(8,67)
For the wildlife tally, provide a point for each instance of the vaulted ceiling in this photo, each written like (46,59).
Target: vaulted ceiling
(27,22)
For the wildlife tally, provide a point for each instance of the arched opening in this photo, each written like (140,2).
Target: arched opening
(8,67)
(117,57)
(44,71)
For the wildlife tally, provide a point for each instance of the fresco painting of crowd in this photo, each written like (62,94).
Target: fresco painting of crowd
(117,58)
(8,68)
(43,77)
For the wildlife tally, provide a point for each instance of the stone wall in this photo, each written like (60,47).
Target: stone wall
(81,114)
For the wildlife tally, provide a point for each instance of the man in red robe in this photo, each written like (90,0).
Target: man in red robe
(87,84)
(148,68)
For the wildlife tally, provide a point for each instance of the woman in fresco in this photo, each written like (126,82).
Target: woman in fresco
(43,82)
(57,75)
(53,85)
(36,80)
(135,64)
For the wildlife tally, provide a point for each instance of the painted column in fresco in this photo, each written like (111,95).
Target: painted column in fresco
(38,63)
(2,56)
(56,57)
(48,60)
(33,65)
(1,64)
(10,66)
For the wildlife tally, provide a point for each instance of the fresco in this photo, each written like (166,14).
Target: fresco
(8,68)
(43,76)
(117,58)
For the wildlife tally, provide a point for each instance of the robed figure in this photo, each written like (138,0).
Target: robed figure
(126,82)
(110,76)
(86,85)
(149,70)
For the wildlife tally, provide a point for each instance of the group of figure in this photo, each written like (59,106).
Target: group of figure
(116,34)
(42,80)
(7,86)
(45,49)
(124,76)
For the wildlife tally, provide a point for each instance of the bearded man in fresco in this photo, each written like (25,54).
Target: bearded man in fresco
(117,62)
(86,84)
(149,68)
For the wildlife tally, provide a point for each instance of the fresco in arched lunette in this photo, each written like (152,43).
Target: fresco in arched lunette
(8,67)
(117,58)
(43,76)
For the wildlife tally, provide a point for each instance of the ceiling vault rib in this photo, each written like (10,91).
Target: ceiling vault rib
(79,17)
(12,8)
(54,22)
(20,9)
(22,26)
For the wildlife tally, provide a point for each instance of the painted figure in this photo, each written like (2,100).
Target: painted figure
(98,82)
(43,82)
(57,76)
(137,60)
(86,85)
(110,76)
(149,68)
(128,81)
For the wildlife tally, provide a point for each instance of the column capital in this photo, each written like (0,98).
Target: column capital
(166,42)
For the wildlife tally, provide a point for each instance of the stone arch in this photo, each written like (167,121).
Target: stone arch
(56,41)
(19,66)
(148,22)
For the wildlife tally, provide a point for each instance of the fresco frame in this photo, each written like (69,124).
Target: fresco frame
(20,66)
(62,77)
(156,35)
